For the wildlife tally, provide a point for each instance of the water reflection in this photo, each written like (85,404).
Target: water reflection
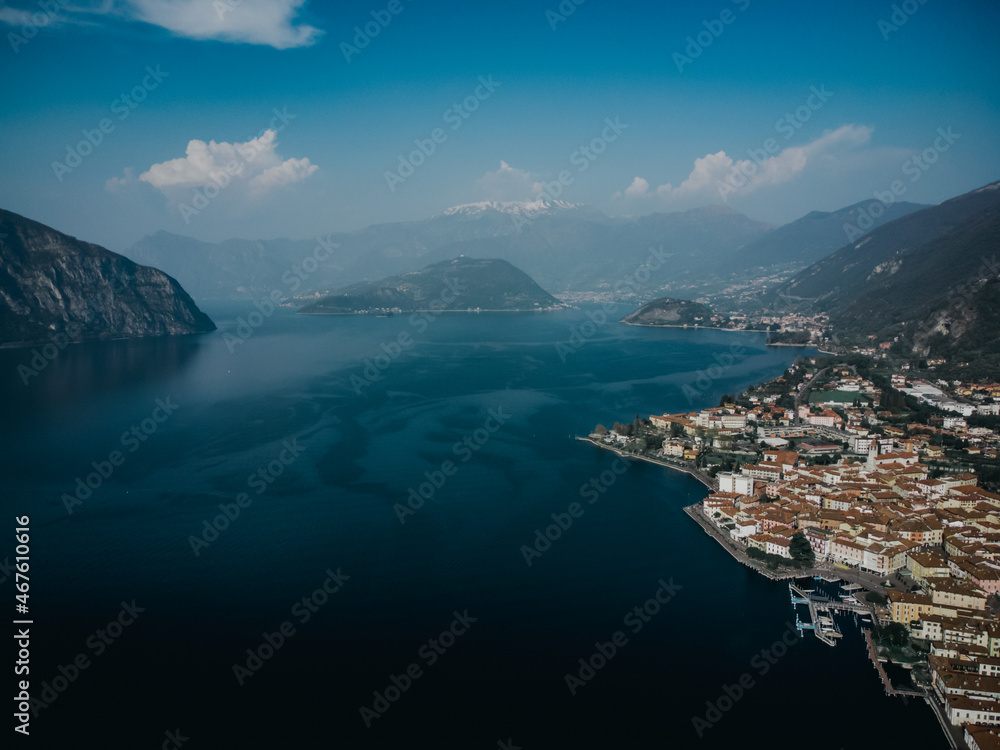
(33,384)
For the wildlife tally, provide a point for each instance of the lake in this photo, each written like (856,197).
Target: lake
(350,499)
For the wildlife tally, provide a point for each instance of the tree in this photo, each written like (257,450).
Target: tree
(623,429)
(801,551)
(600,430)
(895,634)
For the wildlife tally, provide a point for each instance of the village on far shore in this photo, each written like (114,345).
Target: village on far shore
(851,468)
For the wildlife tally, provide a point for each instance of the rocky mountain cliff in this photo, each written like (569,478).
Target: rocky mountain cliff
(53,283)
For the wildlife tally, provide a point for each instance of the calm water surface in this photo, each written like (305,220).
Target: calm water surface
(333,505)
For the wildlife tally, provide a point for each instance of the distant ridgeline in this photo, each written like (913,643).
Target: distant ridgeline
(929,282)
(461,284)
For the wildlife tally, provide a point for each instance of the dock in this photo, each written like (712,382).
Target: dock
(889,689)
(820,610)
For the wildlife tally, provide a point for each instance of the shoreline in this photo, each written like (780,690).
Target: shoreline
(705,480)
(694,327)
(438,312)
(867,581)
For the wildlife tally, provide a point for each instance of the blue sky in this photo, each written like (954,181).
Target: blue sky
(254,105)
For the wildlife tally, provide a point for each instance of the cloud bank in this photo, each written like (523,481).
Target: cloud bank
(719,175)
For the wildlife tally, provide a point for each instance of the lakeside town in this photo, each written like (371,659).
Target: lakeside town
(876,473)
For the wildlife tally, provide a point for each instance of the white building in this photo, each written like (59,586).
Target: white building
(741,484)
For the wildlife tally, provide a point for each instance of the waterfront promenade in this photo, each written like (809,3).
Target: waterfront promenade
(869,581)
(681,466)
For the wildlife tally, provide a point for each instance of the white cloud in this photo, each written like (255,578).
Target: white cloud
(268,22)
(16,16)
(718,175)
(120,184)
(289,171)
(638,187)
(255,164)
(509,184)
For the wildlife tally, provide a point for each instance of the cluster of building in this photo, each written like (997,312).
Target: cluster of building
(883,516)
(954,396)
(877,509)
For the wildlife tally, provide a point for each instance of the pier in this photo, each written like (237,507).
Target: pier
(820,610)
(889,689)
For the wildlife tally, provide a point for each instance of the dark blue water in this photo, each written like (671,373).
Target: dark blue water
(498,383)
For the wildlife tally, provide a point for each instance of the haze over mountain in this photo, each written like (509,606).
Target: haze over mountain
(929,277)
(819,233)
(51,283)
(566,247)
(454,285)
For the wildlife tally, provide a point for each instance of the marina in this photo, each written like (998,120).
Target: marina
(821,611)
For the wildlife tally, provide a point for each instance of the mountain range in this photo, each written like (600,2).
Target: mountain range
(923,277)
(565,247)
(928,279)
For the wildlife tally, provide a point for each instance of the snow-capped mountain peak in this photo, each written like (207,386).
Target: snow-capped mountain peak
(542,206)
